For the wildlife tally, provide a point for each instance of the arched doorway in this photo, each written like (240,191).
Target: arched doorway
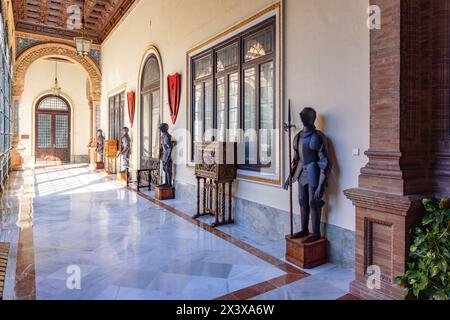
(150,111)
(53,129)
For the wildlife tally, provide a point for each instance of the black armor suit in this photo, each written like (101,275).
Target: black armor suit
(310,168)
(125,149)
(100,144)
(166,156)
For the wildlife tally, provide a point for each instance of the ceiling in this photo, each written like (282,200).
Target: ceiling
(49,17)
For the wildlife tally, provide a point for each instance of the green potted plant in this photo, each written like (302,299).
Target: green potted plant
(428,270)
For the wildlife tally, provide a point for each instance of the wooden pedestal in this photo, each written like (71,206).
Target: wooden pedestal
(306,255)
(122,176)
(165,193)
(99,166)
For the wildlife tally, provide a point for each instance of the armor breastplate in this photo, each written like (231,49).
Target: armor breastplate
(309,155)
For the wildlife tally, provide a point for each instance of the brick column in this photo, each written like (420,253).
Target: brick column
(409,83)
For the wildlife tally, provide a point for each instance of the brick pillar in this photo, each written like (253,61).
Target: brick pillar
(409,88)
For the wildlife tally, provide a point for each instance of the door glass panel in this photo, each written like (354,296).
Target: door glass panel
(233,107)
(146,152)
(44,131)
(250,116)
(198,113)
(209,112)
(155,123)
(221,125)
(62,131)
(266,113)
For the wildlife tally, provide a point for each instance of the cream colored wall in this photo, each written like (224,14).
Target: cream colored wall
(72,79)
(326,56)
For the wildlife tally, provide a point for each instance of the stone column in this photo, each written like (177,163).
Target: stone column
(93,103)
(400,171)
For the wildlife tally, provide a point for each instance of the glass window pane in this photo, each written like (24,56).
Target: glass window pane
(221,125)
(266,113)
(259,44)
(198,113)
(146,152)
(44,131)
(209,111)
(227,57)
(62,131)
(151,72)
(203,67)
(155,123)
(250,116)
(53,104)
(233,107)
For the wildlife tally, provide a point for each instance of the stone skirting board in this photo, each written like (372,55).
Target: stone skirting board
(274,224)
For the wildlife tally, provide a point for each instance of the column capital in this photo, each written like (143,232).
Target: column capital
(17,90)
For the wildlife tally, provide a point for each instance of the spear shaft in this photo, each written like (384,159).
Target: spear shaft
(291,209)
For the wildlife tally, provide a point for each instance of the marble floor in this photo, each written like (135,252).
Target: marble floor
(126,247)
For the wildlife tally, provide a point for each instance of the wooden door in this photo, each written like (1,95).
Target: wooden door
(53,130)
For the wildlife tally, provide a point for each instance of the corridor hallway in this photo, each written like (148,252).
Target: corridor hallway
(130,246)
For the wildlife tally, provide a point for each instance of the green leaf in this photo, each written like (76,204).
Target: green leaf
(443,265)
(430,205)
(427,220)
(399,280)
(435,271)
(406,292)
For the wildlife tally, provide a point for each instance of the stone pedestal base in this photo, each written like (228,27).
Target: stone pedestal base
(306,255)
(165,193)
(17,161)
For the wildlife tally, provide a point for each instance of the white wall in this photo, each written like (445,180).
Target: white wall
(38,80)
(326,56)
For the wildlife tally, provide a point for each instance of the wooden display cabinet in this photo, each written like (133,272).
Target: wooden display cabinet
(215,169)
(110,156)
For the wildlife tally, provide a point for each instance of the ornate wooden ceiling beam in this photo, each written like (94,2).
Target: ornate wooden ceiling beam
(49,17)
(43,11)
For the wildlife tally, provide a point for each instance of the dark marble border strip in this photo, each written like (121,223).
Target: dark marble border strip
(25,286)
(349,297)
(264,287)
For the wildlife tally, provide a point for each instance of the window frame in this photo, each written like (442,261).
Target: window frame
(149,90)
(116,112)
(240,68)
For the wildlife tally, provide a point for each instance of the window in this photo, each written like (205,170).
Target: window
(233,95)
(150,111)
(116,116)
(5,91)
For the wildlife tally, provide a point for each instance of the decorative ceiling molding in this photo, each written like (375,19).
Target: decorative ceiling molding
(29,56)
(49,17)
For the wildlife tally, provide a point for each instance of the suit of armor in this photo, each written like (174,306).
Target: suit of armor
(125,148)
(100,144)
(166,156)
(310,168)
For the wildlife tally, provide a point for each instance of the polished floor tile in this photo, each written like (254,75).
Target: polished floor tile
(126,247)
(129,248)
